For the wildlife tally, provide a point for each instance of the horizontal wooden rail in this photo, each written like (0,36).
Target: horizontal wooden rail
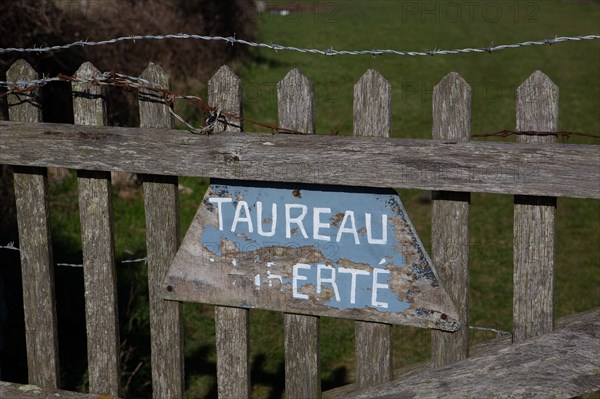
(569,170)
(559,364)
(9,390)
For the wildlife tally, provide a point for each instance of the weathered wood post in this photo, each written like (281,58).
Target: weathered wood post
(232,324)
(373,117)
(296,105)
(161,203)
(97,241)
(450,237)
(534,223)
(37,267)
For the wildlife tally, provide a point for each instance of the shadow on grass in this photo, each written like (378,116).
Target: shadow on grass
(274,380)
(70,310)
(270,62)
(69,294)
(197,364)
(13,360)
(339,377)
(133,327)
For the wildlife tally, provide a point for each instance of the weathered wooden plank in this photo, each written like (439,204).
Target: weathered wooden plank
(302,356)
(225,93)
(296,106)
(560,364)
(534,219)
(295,102)
(26,106)
(10,390)
(37,268)
(231,324)
(325,259)
(97,242)
(570,170)
(161,204)
(372,105)
(372,117)
(450,239)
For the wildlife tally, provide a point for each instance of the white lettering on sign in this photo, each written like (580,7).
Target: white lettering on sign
(271,276)
(297,220)
(219,202)
(242,205)
(348,215)
(375,286)
(296,278)
(370,238)
(259,218)
(354,273)
(331,280)
(317,225)
(294,217)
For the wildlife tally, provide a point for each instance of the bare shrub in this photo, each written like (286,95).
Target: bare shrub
(47,22)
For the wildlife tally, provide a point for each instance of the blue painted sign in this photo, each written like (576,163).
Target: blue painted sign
(322,250)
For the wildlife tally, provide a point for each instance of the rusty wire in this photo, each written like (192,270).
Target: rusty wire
(127,82)
(215,114)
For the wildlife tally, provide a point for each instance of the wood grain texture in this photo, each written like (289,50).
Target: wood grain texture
(372,117)
(231,324)
(302,356)
(559,364)
(569,170)
(161,204)
(37,267)
(450,228)
(480,349)
(97,242)
(296,105)
(372,105)
(225,93)
(534,219)
(233,352)
(23,107)
(10,390)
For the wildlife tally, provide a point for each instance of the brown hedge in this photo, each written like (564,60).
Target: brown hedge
(30,23)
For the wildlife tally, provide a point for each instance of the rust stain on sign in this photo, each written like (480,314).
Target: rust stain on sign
(321,250)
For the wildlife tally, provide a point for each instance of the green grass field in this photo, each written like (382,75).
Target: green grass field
(403,25)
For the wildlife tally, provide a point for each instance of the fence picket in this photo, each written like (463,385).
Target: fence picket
(373,117)
(161,203)
(566,170)
(231,324)
(37,268)
(100,276)
(122,149)
(534,219)
(450,228)
(296,108)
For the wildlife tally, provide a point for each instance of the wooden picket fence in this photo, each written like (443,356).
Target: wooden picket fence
(535,171)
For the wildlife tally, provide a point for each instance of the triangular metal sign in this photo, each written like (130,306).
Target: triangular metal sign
(321,250)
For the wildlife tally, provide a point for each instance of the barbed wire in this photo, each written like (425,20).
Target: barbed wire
(277,47)
(216,116)
(11,246)
(499,333)
(127,82)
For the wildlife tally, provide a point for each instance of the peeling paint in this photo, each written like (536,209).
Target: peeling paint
(332,251)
